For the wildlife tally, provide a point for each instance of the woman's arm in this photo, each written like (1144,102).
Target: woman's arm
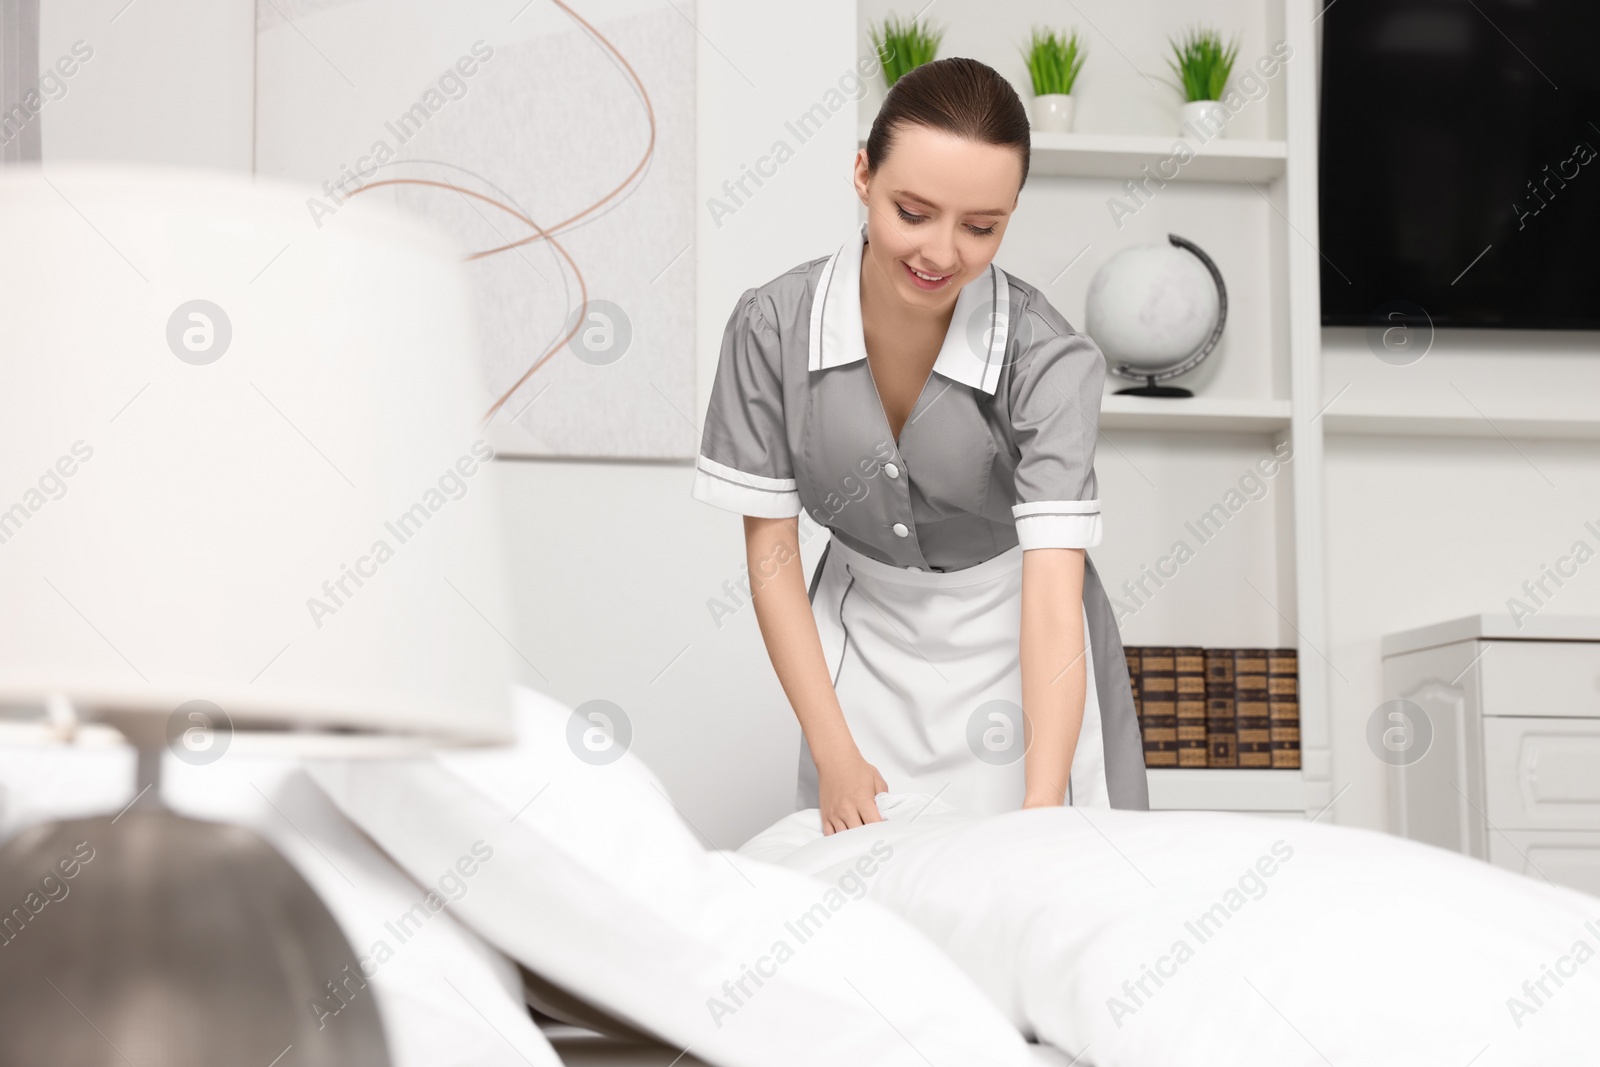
(1054,669)
(847,783)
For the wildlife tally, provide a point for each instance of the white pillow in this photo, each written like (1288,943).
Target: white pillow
(580,804)
(604,891)
(446,998)
(1210,939)
(797,842)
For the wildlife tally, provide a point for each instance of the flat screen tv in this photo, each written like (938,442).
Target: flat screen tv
(1460,163)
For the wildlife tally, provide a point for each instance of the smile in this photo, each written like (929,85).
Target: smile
(926,281)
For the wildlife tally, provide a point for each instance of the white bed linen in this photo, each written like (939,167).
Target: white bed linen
(1357,948)
(446,998)
(600,887)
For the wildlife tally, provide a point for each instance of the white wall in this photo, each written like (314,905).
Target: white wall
(168,83)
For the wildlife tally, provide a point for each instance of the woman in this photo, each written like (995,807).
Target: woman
(939,417)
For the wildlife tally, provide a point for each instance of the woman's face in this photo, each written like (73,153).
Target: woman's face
(936,210)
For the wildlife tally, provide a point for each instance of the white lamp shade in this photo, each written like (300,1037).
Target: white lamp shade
(276,502)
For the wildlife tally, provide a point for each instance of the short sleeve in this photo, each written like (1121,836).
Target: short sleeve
(744,463)
(1055,418)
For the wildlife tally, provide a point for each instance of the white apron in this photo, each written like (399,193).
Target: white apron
(927,671)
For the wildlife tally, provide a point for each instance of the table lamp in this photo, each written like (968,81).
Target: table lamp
(242,496)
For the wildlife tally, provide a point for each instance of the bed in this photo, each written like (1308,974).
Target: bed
(592,926)
(580,1047)
(1105,937)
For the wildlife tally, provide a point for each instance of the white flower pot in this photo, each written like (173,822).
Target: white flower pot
(1052,112)
(1203,119)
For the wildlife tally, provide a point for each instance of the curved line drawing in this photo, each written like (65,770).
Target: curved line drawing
(565,287)
(540,232)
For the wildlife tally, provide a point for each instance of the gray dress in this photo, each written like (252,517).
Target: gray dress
(917,597)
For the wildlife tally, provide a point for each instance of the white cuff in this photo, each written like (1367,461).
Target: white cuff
(748,494)
(1058,524)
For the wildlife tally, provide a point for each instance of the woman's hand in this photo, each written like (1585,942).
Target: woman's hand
(847,791)
(847,785)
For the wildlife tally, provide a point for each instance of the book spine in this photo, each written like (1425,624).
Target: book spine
(1283,707)
(1158,680)
(1251,708)
(1222,738)
(1189,667)
(1131,652)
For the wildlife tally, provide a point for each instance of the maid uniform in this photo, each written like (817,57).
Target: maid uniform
(918,595)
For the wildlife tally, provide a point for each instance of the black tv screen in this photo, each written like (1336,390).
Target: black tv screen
(1460,162)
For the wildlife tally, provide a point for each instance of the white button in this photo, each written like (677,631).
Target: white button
(913,568)
(901,529)
(891,470)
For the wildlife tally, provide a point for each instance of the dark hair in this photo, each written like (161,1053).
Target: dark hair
(958,95)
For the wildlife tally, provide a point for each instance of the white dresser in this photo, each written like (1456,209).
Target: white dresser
(1511,773)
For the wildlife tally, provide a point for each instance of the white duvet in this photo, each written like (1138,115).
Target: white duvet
(1203,939)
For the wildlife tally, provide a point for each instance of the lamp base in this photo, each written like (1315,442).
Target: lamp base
(194,943)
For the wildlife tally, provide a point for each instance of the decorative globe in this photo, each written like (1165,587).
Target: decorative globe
(1156,309)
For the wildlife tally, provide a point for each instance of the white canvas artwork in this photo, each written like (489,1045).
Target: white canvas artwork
(494,122)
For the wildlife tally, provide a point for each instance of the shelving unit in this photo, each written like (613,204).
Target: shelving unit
(1219,789)
(1120,156)
(1419,422)
(1201,413)
(1249,197)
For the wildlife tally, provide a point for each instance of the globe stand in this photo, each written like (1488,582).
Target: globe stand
(1150,388)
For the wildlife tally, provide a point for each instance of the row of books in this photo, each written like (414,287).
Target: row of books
(1217,707)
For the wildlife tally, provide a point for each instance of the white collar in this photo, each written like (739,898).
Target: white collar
(972,354)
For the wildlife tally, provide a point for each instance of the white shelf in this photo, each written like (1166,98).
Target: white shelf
(1403,423)
(1198,413)
(1121,156)
(1225,789)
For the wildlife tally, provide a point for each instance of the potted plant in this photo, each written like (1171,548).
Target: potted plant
(1203,63)
(1054,61)
(903,45)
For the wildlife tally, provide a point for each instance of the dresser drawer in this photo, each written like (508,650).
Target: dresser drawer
(1540,678)
(1542,773)
(1566,857)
